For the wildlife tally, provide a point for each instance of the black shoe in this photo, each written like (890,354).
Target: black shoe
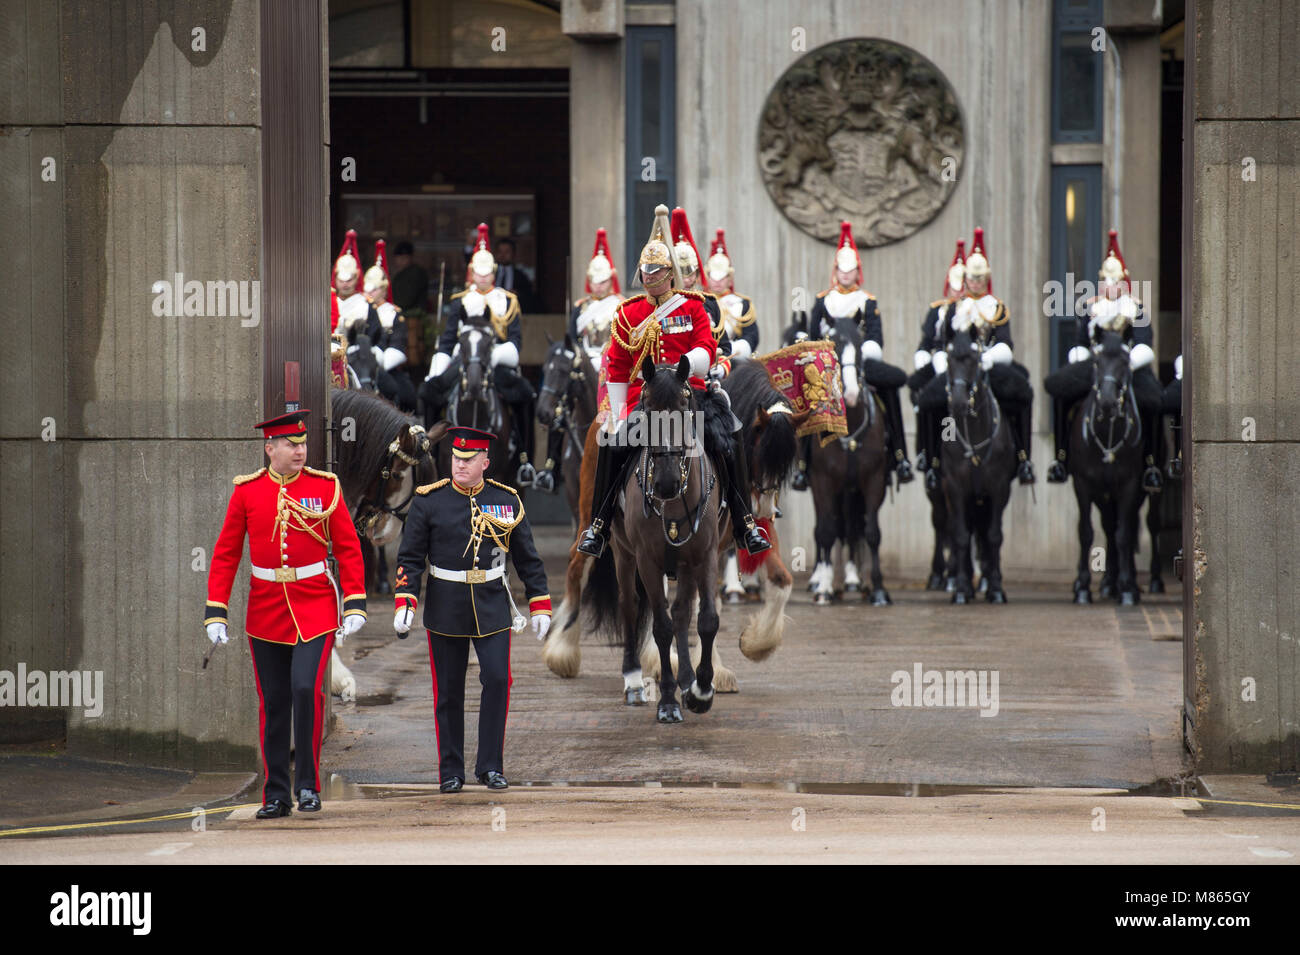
(1026,473)
(932,479)
(593,541)
(800,480)
(1175,469)
(922,463)
(753,540)
(274,809)
(1151,481)
(904,472)
(453,785)
(1056,473)
(309,801)
(493,780)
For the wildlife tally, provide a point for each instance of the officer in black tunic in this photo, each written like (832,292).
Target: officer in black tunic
(1113,309)
(464,527)
(954,282)
(387,331)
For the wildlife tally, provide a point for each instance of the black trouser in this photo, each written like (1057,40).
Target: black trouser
(894,420)
(289,677)
(448,661)
(554,447)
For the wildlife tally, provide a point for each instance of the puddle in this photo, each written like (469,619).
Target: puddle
(377,699)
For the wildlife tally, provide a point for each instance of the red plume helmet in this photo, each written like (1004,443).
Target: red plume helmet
(379,271)
(719,265)
(1113,269)
(481,259)
(958,260)
(977,263)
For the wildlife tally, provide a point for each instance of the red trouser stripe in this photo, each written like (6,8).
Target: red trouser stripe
(510,681)
(261,719)
(319,707)
(433,668)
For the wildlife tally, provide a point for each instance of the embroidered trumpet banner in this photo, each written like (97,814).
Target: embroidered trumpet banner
(808,374)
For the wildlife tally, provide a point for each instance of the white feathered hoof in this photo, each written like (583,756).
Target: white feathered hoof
(823,599)
(724,681)
(766,629)
(634,688)
(342,683)
(696,699)
(562,654)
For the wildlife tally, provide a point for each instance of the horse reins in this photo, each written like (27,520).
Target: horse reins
(650,502)
(1108,450)
(971,450)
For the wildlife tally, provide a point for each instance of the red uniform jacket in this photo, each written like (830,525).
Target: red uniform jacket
(631,339)
(288,522)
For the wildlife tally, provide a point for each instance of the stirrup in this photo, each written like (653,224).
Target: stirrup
(904,471)
(1151,480)
(932,479)
(1056,473)
(526,474)
(1175,468)
(544,481)
(592,541)
(753,540)
(1026,472)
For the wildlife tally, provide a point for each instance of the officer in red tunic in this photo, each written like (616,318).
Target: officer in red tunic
(291,514)
(664,325)
(464,527)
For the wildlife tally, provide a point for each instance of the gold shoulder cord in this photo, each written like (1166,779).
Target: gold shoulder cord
(640,341)
(745,318)
(295,513)
(501,323)
(496,529)
(1001,316)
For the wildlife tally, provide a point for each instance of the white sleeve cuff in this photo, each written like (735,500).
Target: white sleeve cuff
(740,350)
(921,359)
(1178,368)
(505,354)
(1140,356)
(1078,353)
(871,350)
(699,359)
(617,392)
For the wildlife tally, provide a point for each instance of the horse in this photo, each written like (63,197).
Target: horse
(475,403)
(938,579)
(849,475)
(568,401)
(1106,468)
(670,525)
(771,446)
(362,364)
(978,466)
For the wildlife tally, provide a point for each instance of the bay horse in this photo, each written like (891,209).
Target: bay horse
(978,465)
(1106,467)
(849,475)
(669,523)
(567,401)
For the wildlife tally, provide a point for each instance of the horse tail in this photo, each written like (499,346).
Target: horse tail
(600,601)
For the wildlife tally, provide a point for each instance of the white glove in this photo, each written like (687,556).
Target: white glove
(392,358)
(403,619)
(541,625)
(718,372)
(352,622)
(1078,353)
(871,349)
(217,632)
(438,365)
(940,362)
(699,359)
(999,354)
(740,350)
(617,393)
(1140,356)
(986,360)
(921,359)
(1178,368)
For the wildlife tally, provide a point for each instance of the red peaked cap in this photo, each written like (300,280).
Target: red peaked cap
(381,260)
(291,425)
(977,245)
(958,259)
(349,248)
(682,232)
(602,248)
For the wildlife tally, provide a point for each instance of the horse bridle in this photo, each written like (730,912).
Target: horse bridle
(377,508)
(652,503)
(565,401)
(970,450)
(491,398)
(1130,420)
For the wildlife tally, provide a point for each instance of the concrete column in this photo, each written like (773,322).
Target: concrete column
(1240,387)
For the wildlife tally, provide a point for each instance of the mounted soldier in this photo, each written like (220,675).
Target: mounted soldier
(847,299)
(388,334)
(1113,309)
(954,283)
(987,320)
(348,306)
(495,309)
(737,331)
(665,325)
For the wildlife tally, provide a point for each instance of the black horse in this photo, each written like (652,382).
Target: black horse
(978,463)
(849,476)
(383,456)
(1105,461)
(361,359)
(939,559)
(566,406)
(476,403)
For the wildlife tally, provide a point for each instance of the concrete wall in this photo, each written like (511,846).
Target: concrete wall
(157,157)
(729,55)
(1241,354)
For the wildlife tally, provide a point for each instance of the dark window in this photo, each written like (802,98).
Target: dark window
(1076,247)
(1077,72)
(651,141)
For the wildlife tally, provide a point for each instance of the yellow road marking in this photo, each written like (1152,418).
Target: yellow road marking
(187,814)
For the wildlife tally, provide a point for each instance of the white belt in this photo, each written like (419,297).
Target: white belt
(283,575)
(472,576)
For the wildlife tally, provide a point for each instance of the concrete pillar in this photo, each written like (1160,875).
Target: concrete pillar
(1240,388)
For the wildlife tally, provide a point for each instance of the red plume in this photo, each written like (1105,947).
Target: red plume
(846,240)
(681,230)
(719,244)
(977,245)
(1113,249)
(482,242)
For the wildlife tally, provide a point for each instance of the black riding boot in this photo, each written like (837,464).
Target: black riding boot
(748,535)
(545,479)
(1175,466)
(610,461)
(1023,437)
(933,437)
(1056,473)
(1151,442)
(800,480)
(897,437)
